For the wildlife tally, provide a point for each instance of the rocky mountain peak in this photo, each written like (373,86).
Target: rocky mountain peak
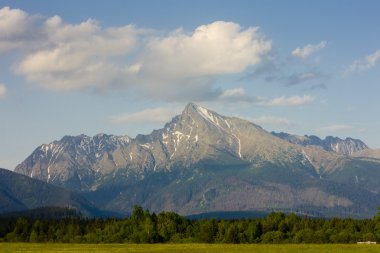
(195,114)
(194,110)
(190,108)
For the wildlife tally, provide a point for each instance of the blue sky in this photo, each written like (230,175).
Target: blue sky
(127,67)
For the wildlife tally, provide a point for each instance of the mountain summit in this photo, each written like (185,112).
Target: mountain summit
(202,161)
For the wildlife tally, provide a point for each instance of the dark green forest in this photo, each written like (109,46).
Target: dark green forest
(145,227)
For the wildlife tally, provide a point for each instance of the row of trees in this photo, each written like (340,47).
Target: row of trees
(144,227)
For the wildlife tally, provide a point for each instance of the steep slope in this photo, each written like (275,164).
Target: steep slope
(202,161)
(74,161)
(335,144)
(19,192)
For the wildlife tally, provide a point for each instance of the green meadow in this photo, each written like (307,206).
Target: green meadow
(179,248)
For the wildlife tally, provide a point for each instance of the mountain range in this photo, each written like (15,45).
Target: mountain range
(202,162)
(345,147)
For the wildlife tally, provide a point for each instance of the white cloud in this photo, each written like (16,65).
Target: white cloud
(3,90)
(272,121)
(79,56)
(163,66)
(217,48)
(335,128)
(369,62)
(288,101)
(154,115)
(13,23)
(306,51)
(179,66)
(16,29)
(187,63)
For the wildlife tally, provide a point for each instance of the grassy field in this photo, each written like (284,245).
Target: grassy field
(179,248)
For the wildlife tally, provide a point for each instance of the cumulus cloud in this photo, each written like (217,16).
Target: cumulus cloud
(308,50)
(3,90)
(17,29)
(367,63)
(173,66)
(217,48)
(190,61)
(153,115)
(79,56)
(288,101)
(335,128)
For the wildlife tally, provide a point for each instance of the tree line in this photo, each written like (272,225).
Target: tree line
(145,227)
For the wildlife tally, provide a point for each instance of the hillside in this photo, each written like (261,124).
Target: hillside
(20,193)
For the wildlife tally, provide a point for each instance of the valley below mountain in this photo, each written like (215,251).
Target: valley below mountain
(203,162)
